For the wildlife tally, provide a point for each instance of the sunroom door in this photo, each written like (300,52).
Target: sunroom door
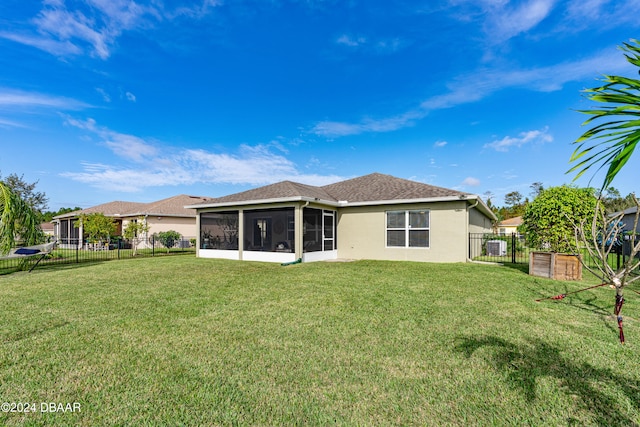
(328,230)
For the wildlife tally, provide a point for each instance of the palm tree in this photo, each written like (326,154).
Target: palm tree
(16,219)
(612,143)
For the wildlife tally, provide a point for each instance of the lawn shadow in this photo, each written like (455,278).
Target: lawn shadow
(522,365)
(522,267)
(587,301)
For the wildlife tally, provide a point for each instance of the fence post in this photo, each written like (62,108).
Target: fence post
(513,248)
(77,249)
(119,244)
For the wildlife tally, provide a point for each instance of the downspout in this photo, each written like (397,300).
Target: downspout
(468,209)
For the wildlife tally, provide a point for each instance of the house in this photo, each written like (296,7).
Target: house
(47,228)
(509,226)
(628,219)
(370,217)
(162,215)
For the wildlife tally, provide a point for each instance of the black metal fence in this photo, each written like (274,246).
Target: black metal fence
(498,248)
(70,251)
(513,248)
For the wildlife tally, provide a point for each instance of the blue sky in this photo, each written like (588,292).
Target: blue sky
(105,100)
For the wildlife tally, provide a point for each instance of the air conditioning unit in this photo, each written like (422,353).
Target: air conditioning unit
(496,248)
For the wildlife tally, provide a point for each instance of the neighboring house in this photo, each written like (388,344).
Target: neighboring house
(47,228)
(163,215)
(509,226)
(371,217)
(628,218)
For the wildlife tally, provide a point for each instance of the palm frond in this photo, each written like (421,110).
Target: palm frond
(618,138)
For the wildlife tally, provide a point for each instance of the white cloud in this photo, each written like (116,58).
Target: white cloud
(471,181)
(506,22)
(581,14)
(439,144)
(154,166)
(126,146)
(478,85)
(332,129)
(64,31)
(530,137)
(196,11)
(105,96)
(351,41)
(19,99)
(54,47)
(5,123)
(377,46)
(130,97)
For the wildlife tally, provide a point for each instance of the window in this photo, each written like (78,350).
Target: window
(408,229)
(219,230)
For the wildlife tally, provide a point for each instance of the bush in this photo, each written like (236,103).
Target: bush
(169,238)
(550,219)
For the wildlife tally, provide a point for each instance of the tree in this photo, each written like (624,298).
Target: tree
(599,237)
(168,238)
(515,206)
(35,199)
(97,226)
(549,219)
(513,199)
(536,189)
(17,219)
(612,143)
(134,231)
(48,215)
(612,200)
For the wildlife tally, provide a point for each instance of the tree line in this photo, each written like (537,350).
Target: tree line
(515,203)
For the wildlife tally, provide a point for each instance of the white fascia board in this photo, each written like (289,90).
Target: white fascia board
(344,204)
(262,202)
(406,201)
(486,209)
(155,214)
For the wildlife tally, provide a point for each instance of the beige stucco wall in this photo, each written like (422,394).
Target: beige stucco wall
(362,233)
(185,226)
(478,222)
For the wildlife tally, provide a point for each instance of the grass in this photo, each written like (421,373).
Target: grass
(72,255)
(187,341)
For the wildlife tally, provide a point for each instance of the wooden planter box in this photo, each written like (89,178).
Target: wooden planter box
(555,266)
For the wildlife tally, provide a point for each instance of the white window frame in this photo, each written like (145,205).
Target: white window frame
(407,228)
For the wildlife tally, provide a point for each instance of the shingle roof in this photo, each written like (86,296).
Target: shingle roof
(369,188)
(113,208)
(512,222)
(172,206)
(279,190)
(630,211)
(377,186)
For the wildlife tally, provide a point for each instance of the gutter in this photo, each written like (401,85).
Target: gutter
(468,209)
(333,203)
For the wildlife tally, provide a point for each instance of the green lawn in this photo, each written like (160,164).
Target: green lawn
(187,341)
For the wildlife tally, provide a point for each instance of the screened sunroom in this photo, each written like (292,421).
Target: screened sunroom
(275,234)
